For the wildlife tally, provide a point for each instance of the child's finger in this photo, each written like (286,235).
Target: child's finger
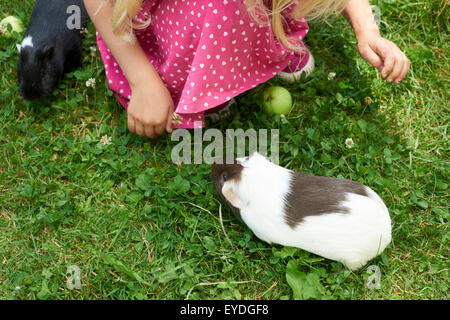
(159,129)
(169,121)
(150,132)
(131,124)
(404,71)
(140,130)
(389,62)
(385,53)
(370,56)
(396,70)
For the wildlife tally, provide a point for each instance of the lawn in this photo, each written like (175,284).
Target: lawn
(138,226)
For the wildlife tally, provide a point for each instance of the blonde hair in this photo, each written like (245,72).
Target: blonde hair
(123,18)
(263,12)
(310,9)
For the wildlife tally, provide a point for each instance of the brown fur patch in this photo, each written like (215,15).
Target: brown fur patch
(314,195)
(232,172)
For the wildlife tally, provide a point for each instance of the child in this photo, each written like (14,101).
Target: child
(194,56)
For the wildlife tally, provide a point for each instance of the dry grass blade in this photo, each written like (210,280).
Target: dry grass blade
(220,219)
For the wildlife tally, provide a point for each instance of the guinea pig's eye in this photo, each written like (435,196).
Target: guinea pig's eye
(224,177)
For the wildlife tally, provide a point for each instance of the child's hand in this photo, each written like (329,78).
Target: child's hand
(150,109)
(383,55)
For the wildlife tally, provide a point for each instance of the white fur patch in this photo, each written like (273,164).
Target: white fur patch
(264,187)
(27,42)
(228,191)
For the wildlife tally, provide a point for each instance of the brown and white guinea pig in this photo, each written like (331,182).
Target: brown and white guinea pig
(49,47)
(337,219)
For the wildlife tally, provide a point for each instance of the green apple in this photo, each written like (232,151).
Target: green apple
(277,100)
(14,22)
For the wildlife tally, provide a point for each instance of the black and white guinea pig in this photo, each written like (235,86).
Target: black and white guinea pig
(51,46)
(337,219)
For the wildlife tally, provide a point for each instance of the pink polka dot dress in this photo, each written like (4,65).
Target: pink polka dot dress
(205,51)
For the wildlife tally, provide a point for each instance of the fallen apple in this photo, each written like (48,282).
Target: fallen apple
(14,22)
(277,100)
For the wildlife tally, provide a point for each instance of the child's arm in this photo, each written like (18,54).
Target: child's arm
(378,51)
(151,106)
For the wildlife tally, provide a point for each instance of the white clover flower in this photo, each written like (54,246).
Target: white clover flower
(349,143)
(283,119)
(90,83)
(106,140)
(331,75)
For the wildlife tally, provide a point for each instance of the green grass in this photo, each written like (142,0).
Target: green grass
(140,227)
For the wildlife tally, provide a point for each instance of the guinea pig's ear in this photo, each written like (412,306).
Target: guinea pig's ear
(230,193)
